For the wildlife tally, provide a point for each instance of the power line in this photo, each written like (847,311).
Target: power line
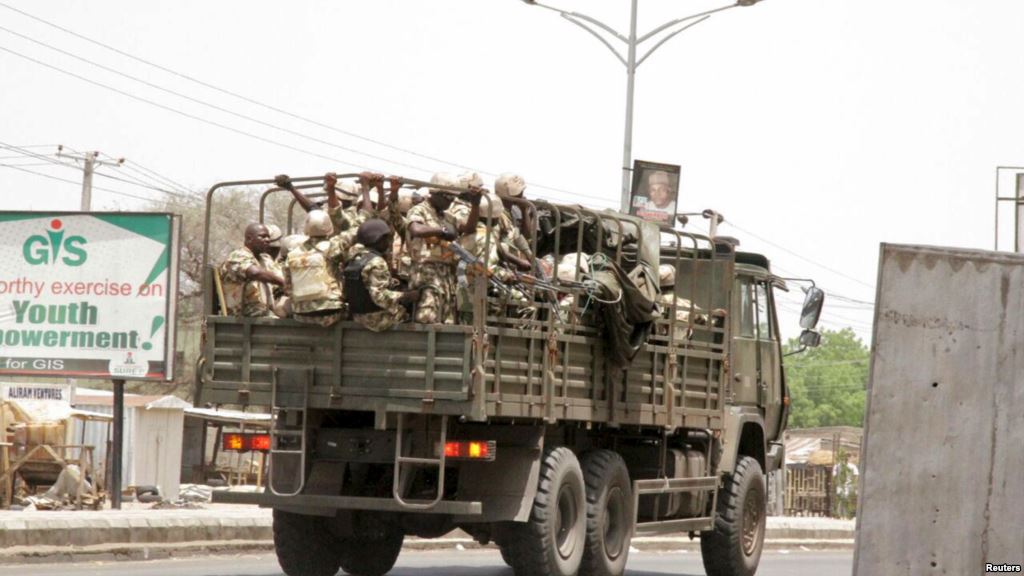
(279,110)
(48,160)
(52,177)
(179,112)
(214,106)
(804,258)
(143,185)
(134,165)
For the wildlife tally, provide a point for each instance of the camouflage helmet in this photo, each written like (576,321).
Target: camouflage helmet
(470,179)
(509,184)
(348,190)
(491,206)
(666,276)
(443,179)
(290,242)
(318,224)
(405,203)
(371,231)
(274,234)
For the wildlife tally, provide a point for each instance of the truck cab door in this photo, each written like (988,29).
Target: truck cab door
(744,358)
(769,360)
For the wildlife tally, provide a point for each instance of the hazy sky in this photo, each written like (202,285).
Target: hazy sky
(823,128)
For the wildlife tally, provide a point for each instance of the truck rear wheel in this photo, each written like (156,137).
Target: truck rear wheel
(610,514)
(733,548)
(304,546)
(372,553)
(551,542)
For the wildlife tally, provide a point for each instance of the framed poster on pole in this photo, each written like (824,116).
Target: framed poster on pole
(655,192)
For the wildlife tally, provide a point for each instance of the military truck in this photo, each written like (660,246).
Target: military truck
(539,433)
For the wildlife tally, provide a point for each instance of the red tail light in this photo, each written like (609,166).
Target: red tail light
(470,450)
(260,442)
(234,442)
(239,442)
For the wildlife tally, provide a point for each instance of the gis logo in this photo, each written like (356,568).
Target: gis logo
(54,246)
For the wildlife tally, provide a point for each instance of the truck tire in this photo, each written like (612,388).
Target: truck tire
(371,554)
(733,548)
(506,555)
(551,542)
(304,546)
(610,514)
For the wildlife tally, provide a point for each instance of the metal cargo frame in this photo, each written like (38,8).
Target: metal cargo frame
(496,367)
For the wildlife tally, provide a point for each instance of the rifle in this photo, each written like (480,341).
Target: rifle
(586,287)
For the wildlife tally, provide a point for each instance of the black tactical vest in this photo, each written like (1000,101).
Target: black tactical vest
(356,294)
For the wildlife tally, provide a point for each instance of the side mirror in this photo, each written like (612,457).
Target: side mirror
(811,312)
(810,339)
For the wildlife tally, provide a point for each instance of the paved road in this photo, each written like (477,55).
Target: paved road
(454,563)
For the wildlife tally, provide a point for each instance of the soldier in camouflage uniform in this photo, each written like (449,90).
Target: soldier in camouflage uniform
(490,246)
(349,203)
(433,266)
(248,275)
(369,286)
(311,268)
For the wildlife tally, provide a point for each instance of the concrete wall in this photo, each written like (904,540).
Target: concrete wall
(942,488)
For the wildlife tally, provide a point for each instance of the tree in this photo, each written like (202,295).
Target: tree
(827,384)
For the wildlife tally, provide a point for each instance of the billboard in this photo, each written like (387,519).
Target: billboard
(655,192)
(88,294)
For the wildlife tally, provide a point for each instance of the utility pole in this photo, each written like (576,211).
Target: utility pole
(89,162)
(631,62)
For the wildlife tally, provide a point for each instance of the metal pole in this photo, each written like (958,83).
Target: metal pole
(118,446)
(627,147)
(87,182)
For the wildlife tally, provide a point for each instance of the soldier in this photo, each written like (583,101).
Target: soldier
(247,275)
(433,266)
(274,236)
(516,225)
(487,245)
(369,287)
(349,203)
(312,266)
(509,185)
(398,207)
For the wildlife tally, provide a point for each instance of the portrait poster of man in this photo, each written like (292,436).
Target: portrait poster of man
(655,191)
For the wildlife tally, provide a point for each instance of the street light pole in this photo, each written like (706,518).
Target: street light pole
(627,146)
(630,61)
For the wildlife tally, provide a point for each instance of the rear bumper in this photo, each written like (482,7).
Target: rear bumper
(321,502)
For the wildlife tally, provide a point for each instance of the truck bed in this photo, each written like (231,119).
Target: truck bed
(529,369)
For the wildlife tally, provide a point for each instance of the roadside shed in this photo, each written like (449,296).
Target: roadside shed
(153,437)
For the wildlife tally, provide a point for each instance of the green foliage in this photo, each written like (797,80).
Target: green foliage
(827,384)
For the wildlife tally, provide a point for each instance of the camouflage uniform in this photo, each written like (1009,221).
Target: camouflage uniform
(249,298)
(484,246)
(400,258)
(328,309)
(349,218)
(376,277)
(433,266)
(513,238)
(683,305)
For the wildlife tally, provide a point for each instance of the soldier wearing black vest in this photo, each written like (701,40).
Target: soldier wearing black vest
(369,286)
